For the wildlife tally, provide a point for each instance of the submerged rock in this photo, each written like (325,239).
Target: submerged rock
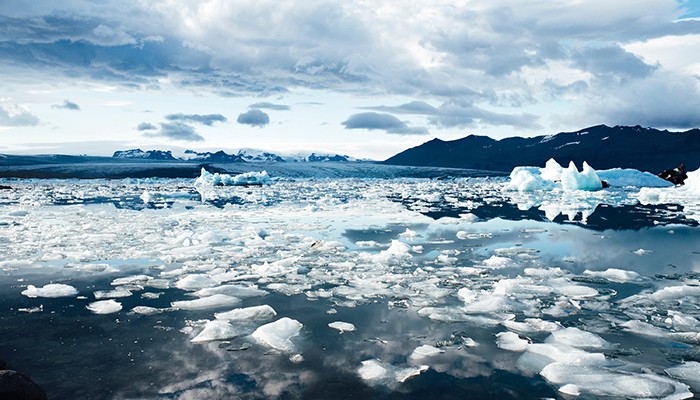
(18,386)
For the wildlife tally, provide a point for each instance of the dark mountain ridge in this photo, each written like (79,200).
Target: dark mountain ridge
(603,147)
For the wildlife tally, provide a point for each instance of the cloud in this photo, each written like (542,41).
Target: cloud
(14,115)
(254,117)
(453,114)
(176,131)
(270,106)
(67,105)
(146,126)
(384,122)
(208,119)
(612,62)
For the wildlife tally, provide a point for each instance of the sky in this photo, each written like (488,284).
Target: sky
(366,78)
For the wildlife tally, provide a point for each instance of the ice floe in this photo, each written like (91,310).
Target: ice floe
(377,372)
(213,301)
(278,335)
(254,313)
(342,326)
(104,307)
(51,290)
(425,351)
(216,330)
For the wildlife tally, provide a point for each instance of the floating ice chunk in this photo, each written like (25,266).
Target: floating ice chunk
(675,292)
(396,253)
(511,341)
(425,351)
(614,275)
(216,330)
(145,310)
(214,301)
(497,262)
(248,314)
(544,272)
(573,291)
(688,372)
(52,290)
(551,171)
(532,325)
(641,252)
(408,234)
(342,326)
(680,321)
(131,280)
(587,179)
(278,334)
(240,291)
(597,381)
(561,353)
(375,371)
(528,179)
(104,307)
(577,338)
(206,182)
(195,282)
(146,197)
(631,177)
(106,294)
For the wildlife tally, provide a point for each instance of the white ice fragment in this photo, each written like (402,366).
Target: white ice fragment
(631,177)
(396,253)
(408,234)
(511,341)
(146,197)
(498,262)
(52,290)
(214,301)
(145,310)
(216,330)
(104,307)
(688,372)
(577,338)
(372,370)
(641,252)
(278,334)
(561,353)
(131,280)
(240,291)
(375,371)
(425,351)
(614,275)
(118,292)
(587,179)
(606,382)
(255,313)
(195,282)
(675,292)
(342,326)
(532,325)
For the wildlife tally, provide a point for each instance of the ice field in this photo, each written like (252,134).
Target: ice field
(505,287)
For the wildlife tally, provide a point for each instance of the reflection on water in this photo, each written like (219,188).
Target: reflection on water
(447,264)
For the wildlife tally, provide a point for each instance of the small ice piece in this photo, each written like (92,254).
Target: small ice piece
(688,372)
(195,282)
(146,197)
(131,280)
(375,371)
(498,262)
(532,325)
(577,338)
(278,334)
(605,382)
(511,341)
(52,290)
(342,326)
(617,177)
(425,351)
(396,253)
(641,252)
(216,330)
(614,275)
(104,307)
(214,301)
(248,314)
(145,310)
(106,294)
(561,353)
(239,291)
(408,234)
(675,292)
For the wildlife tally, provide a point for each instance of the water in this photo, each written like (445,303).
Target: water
(471,261)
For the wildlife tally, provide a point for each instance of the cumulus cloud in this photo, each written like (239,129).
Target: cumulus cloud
(176,131)
(253,117)
(146,126)
(612,62)
(208,119)
(67,105)
(14,115)
(270,106)
(383,122)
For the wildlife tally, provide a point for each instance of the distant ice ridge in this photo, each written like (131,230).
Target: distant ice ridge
(207,181)
(554,176)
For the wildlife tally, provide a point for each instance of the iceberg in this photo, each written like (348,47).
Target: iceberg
(104,307)
(207,181)
(248,314)
(52,290)
(278,334)
(425,351)
(216,330)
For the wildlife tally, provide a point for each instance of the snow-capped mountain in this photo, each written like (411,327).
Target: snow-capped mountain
(145,155)
(217,157)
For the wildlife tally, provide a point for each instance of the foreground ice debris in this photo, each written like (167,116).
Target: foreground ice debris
(553,175)
(278,334)
(51,290)
(214,301)
(377,372)
(104,307)
(248,314)
(342,326)
(216,330)
(424,351)
(207,181)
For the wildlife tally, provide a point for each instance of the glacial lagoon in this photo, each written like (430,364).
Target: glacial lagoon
(349,288)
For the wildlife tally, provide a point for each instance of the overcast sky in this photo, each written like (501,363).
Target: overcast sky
(367,78)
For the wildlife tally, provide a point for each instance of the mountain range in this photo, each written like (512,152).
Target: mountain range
(243,155)
(603,147)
